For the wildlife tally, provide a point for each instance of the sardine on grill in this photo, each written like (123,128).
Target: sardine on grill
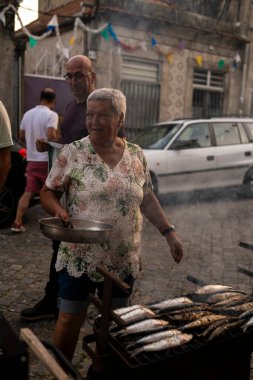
(212,289)
(153,337)
(137,314)
(231,300)
(216,324)
(164,344)
(216,297)
(188,316)
(203,321)
(246,314)
(123,310)
(248,324)
(171,303)
(239,308)
(147,325)
(222,329)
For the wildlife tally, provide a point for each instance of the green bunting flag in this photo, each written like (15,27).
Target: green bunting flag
(221,64)
(32,42)
(104,33)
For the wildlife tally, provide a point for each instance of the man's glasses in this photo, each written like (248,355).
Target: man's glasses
(77,76)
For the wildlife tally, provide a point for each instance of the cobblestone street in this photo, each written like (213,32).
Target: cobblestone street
(210,227)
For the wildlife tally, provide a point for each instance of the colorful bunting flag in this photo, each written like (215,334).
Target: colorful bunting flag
(106,31)
(2,18)
(32,42)
(72,40)
(221,63)
(199,60)
(237,58)
(153,41)
(143,45)
(50,27)
(181,44)
(53,22)
(111,32)
(169,57)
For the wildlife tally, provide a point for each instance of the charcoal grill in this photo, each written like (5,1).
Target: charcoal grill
(224,358)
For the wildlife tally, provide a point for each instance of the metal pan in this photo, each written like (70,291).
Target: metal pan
(83,231)
(246,245)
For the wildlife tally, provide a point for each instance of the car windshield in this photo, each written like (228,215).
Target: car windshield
(156,136)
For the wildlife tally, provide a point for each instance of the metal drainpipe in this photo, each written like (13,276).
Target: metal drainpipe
(244,74)
(16,98)
(19,53)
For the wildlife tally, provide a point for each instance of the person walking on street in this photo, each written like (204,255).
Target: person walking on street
(39,121)
(80,77)
(5,145)
(105,178)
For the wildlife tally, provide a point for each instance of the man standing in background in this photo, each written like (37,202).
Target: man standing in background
(40,121)
(5,145)
(81,80)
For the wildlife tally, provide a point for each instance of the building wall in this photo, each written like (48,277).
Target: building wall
(176,76)
(47,5)
(7,72)
(249,71)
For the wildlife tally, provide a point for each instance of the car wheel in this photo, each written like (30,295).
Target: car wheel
(247,186)
(8,205)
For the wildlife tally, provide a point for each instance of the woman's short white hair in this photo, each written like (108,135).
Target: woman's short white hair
(115,97)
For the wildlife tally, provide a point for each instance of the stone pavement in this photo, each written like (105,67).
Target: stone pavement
(209,225)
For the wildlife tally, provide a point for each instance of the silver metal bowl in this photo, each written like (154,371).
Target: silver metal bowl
(83,231)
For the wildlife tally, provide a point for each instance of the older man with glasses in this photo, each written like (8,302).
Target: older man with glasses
(81,80)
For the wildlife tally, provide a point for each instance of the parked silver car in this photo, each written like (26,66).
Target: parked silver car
(197,154)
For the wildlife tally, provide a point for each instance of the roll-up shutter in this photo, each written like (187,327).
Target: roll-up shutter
(141,85)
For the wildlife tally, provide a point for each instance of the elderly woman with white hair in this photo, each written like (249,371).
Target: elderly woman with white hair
(105,178)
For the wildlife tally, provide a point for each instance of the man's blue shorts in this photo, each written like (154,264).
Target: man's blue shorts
(73,292)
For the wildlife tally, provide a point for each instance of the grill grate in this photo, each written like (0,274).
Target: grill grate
(200,343)
(219,347)
(225,357)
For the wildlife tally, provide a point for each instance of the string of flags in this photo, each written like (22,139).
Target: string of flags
(106,31)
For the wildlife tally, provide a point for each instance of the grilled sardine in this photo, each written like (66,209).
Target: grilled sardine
(143,326)
(220,330)
(163,344)
(154,337)
(216,324)
(123,310)
(248,324)
(189,316)
(171,303)
(240,307)
(137,314)
(204,321)
(247,313)
(234,299)
(212,289)
(216,297)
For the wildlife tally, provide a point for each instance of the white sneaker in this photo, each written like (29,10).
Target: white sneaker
(17,228)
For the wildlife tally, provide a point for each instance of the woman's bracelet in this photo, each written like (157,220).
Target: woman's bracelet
(168,230)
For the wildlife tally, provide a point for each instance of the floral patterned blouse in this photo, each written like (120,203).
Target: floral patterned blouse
(95,191)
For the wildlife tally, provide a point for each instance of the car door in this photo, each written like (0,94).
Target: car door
(234,152)
(190,160)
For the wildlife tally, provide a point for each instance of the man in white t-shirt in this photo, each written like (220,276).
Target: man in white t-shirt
(5,145)
(39,122)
